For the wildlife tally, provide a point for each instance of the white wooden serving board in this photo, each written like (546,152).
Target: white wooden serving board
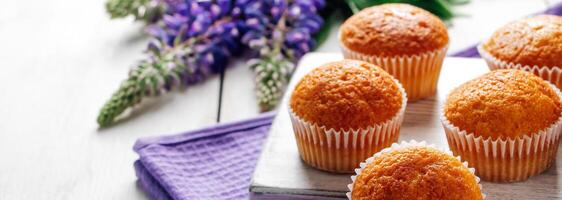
(280,173)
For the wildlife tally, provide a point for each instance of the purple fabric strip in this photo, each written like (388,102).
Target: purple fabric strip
(215,162)
(212,163)
(554,10)
(472,52)
(148,184)
(205,132)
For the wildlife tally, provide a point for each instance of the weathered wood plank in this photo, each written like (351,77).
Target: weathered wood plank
(59,62)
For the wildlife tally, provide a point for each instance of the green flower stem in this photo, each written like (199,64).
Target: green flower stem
(441,8)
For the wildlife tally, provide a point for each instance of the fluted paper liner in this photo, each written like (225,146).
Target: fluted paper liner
(418,74)
(403,145)
(341,150)
(553,74)
(505,159)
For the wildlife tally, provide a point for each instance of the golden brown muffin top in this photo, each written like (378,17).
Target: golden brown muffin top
(416,173)
(530,41)
(393,30)
(347,94)
(503,103)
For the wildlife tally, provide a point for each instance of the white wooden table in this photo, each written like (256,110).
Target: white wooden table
(61,60)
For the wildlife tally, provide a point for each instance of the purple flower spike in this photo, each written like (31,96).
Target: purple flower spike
(215,11)
(295,11)
(154,47)
(174,21)
(196,38)
(296,36)
(224,5)
(279,32)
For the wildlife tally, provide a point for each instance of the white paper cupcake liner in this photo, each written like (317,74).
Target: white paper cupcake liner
(342,150)
(553,74)
(505,159)
(418,74)
(403,145)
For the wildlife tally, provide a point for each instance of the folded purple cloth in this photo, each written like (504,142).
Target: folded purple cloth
(472,52)
(212,163)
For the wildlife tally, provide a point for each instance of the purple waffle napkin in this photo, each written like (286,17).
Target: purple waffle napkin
(216,162)
(212,163)
(472,52)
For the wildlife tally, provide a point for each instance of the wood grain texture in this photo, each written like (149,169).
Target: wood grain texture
(281,171)
(239,97)
(59,62)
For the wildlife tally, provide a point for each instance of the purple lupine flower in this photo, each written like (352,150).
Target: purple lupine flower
(279,32)
(300,21)
(207,29)
(192,41)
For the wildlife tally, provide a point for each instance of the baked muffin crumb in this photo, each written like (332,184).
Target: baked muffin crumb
(531,41)
(416,173)
(347,94)
(393,30)
(503,103)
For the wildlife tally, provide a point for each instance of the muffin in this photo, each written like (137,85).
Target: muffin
(506,124)
(532,44)
(343,112)
(414,171)
(408,42)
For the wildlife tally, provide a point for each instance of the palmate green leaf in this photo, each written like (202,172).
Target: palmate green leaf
(441,8)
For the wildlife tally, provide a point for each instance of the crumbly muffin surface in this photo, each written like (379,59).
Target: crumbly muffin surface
(503,103)
(415,173)
(393,30)
(530,41)
(348,94)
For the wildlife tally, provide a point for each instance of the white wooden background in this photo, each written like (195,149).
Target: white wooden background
(60,60)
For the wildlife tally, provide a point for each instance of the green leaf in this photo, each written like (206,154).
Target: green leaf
(353,6)
(324,32)
(441,8)
(458,2)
